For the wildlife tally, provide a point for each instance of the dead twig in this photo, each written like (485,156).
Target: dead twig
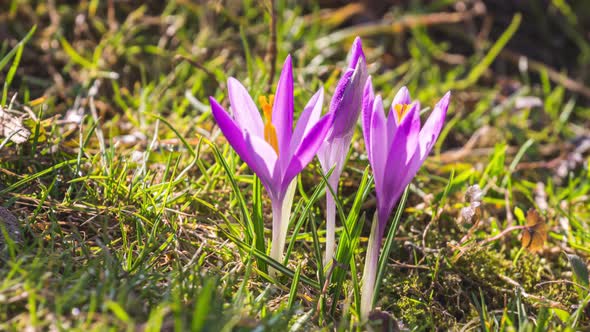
(460,154)
(402,24)
(551,303)
(553,74)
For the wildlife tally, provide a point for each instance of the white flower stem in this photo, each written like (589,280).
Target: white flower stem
(330,228)
(331,217)
(281,213)
(370,270)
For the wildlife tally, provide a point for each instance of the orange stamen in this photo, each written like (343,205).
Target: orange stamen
(270,132)
(401,110)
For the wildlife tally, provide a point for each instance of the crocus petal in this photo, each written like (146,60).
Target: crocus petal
(367,113)
(244,110)
(413,114)
(402,149)
(356,53)
(308,148)
(308,118)
(392,124)
(433,125)
(413,117)
(428,136)
(282,111)
(264,161)
(232,132)
(333,153)
(402,97)
(347,100)
(379,137)
(338,96)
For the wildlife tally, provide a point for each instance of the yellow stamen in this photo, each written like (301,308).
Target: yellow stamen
(401,110)
(270,132)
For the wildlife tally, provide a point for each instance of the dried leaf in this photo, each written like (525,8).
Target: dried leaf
(527,102)
(534,234)
(474,196)
(12,127)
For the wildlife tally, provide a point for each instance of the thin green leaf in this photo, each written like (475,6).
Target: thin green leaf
(11,72)
(580,269)
(293,291)
(202,305)
(10,54)
(388,243)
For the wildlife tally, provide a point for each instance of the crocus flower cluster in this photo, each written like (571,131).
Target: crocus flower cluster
(277,151)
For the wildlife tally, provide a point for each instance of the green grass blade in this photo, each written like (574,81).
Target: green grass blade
(388,242)
(304,215)
(258,220)
(11,72)
(10,54)
(202,305)
(317,250)
(271,262)
(293,290)
(74,55)
(247,223)
(37,175)
(485,63)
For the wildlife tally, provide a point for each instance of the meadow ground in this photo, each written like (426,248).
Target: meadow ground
(126,209)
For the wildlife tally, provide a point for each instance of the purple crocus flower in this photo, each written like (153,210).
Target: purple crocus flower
(271,148)
(346,107)
(396,147)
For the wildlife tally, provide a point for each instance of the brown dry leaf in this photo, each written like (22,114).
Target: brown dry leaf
(11,126)
(534,234)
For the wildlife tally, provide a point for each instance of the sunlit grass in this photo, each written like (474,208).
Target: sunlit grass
(136,213)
